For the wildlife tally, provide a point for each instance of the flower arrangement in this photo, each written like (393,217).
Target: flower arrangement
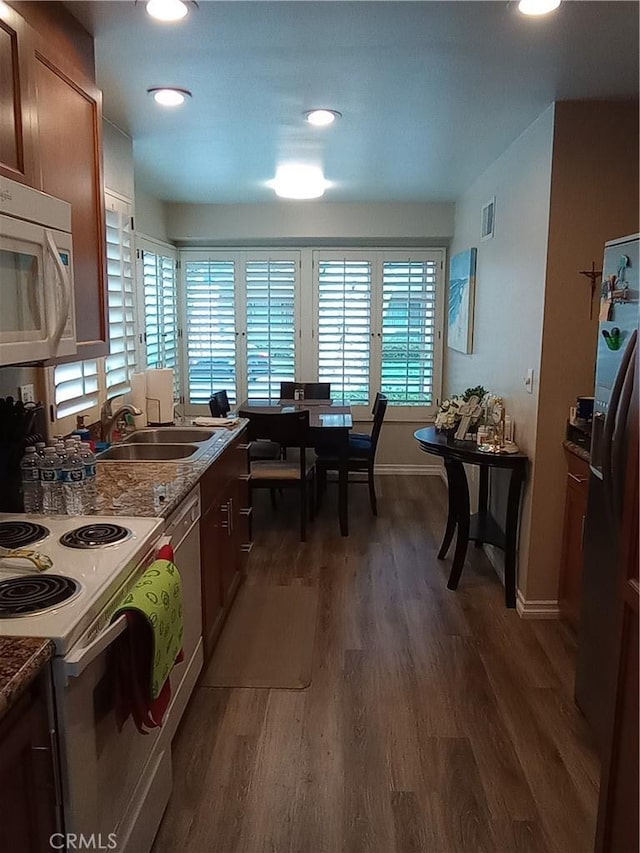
(451,411)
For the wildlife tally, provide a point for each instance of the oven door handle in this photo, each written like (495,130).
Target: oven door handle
(76,662)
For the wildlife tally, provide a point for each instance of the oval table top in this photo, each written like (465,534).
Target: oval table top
(440,444)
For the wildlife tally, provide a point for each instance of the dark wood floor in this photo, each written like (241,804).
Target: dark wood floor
(436,721)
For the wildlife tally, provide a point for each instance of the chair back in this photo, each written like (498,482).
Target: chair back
(379,410)
(219,404)
(288,429)
(310,390)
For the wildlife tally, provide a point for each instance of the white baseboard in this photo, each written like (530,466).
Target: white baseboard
(420,470)
(537,609)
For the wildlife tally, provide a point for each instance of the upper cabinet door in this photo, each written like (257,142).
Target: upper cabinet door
(17,127)
(70,151)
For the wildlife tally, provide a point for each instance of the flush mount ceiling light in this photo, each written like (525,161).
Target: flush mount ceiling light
(322,117)
(167,10)
(537,7)
(169,96)
(299,182)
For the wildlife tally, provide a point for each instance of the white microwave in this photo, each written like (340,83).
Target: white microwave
(37,314)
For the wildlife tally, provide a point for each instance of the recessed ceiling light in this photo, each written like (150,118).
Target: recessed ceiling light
(169,96)
(323,117)
(538,7)
(167,10)
(298,181)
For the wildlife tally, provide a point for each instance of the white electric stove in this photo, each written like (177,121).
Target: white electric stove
(93,561)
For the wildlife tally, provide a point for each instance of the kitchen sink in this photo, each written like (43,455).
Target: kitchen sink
(148,452)
(170,435)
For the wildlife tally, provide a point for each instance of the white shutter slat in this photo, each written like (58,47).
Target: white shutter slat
(76,387)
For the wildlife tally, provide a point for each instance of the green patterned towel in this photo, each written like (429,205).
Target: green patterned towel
(157,596)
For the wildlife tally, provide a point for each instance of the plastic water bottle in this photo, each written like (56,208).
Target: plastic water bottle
(31,481)
(40,446)
(73,480)
(50,468)
(90,488)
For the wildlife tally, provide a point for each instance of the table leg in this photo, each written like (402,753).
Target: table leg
(451,517)
(462,514)
(511,535)
(343,484)
(483,496)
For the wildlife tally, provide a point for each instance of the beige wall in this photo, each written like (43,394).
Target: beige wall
(151,216)
(594,198)
(118,160)
(233,224)
(510,281)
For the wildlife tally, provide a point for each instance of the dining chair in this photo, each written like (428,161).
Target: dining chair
(286,429)
(310,390)
(219,404)
(362,454)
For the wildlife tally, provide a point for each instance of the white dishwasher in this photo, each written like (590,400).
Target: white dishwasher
(183,526)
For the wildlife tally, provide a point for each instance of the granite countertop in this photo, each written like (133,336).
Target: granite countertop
(154,488)
(21,660)
(580,452)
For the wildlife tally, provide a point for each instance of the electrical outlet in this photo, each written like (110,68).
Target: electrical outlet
(26,393)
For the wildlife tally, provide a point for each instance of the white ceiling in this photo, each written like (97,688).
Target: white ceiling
(431,92)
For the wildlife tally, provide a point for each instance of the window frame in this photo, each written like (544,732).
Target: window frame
(307,316)
(240,258)
(118,204)
(160,249)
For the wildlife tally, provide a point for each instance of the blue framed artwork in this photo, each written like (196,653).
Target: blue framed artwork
(462,284)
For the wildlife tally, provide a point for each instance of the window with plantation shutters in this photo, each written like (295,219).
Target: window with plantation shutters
(160,298)
(210,327)
(344,325)
(408,330)
(120,362)
(76,387)
(270,297)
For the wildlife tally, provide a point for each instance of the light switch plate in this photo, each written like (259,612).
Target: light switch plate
(528,381)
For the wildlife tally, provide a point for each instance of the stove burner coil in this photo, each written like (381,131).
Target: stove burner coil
(26,595)
(20,534)
(95,536)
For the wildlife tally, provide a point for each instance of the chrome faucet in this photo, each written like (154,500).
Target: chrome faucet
(109,419)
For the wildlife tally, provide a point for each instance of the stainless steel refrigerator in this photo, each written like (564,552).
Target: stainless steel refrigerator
(615,376)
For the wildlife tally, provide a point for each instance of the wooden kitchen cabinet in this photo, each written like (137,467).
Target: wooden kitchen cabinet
(57,66)
(28,773)
(225,533)
(575,511)
(17,100)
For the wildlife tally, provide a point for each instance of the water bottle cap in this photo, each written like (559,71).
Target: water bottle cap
(49,451)
(30,449)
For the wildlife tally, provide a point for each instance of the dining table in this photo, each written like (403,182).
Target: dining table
(330,422)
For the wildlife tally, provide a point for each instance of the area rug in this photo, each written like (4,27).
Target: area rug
(267,640)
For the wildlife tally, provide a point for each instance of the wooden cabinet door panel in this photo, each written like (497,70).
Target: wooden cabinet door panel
(69,128)
(29,807)
(17,149)
(211,535)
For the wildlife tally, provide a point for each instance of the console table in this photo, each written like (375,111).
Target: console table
(482,527)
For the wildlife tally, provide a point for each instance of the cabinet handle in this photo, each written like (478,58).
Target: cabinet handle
(246,511)
(230,516)
(582,534)
(245,477)
(577,479)
(246,547)
(243,446)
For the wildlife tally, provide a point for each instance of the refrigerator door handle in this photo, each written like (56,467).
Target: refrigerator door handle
(610,423)
(618,442)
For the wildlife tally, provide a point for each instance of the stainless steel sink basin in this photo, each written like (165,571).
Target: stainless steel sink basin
(148,452)
(170,435)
